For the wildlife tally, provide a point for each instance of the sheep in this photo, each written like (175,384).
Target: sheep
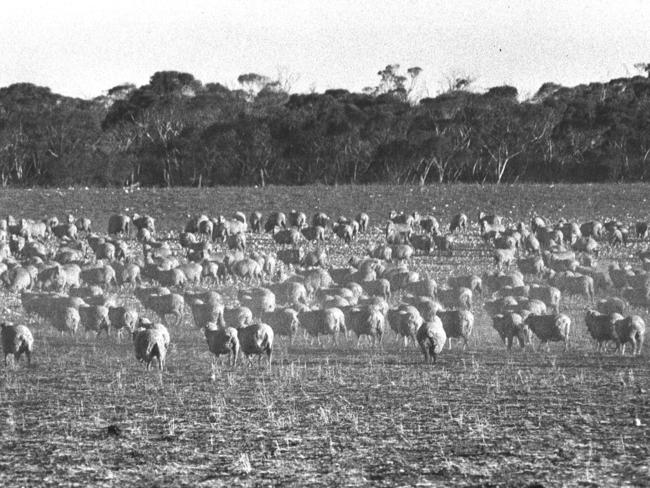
(144,222)
(84,224)
(237,317)
(321,220)
(315,279)
(363,220)
(94,318)
(473,282)
(275,220)
(421,243)
(458,223)
(405,321)
(457,324)
(259,300)
(288,237)
(312,259)
(63,231)
(344,231)
(144,323)
(426,287)
(289,292)
(222,341)
(329,321)
(611,305)
(397,233)
(402,252)
(245,269)
(381,251)
(456,297)
(636,296)
(399,278)
(630,329)
(122,318)
(574,284)
(313,233)
(204,313)
(342,292)
(101,275)
(443,243)
(431,337)
(256,339)
(16,340)
(255,220)
(602,281)
(601,326)
(641,230)
(379,287)
(427,307)
(368,321)
(510,326)
(127,274)
(499,280)
(296,219)
(150,344)
(531,244)
(162,304)
(618,276)
(119,224)
(548,328)
(592,229)
(430,225)
(18,279)
(283,321)
(504,258)
(170,277)
(550,295)
(586,244)
(293,256)
(66,319)
(533,265)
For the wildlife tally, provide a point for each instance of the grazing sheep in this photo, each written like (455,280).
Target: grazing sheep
(119,224)
(399,278)
(256,339)
(602,281)
(641,229)
(376,288)
(402,252)
(170,277)
(162,304)
(66,319)
(550,295)
(363,220)
(504,258)
(574,284)
(84,224)
(293,256)
(601,326)
(255,220)
(236,317)
(405,321)
(510,326)
(533,265)
(315,279)
(587,245)
(368,321)
(150,344)
(123,318)
(343,231)
(205,313)
(127,274)
(222,341)
(592,229)
(288,237)
(289,292)
(426,287)
(144,222)
(342,292)
(283,321)
(246,269)
(636,296)
(259,300)
(611,305)
(550,328)
(312,259)
(313,233)
(473,282)
(499,280)
(421,243)
(236,242)
(329,321)
(16,340)
(531,244)
(398,233)
(320,220)
(457,324)
(17,279)
(275,220)
(65,231)
(430,225)
(458,223)
(427,307)
(103,276)
(630,329)
(431,337)
(297,219)
(94,318)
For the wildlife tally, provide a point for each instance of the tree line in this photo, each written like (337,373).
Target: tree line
(178,131)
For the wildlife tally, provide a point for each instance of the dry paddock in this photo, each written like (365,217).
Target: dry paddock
(86,413)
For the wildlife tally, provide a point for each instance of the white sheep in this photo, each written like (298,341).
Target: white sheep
(550,328)
(222,341)
(601,326)
(630,329)
(405,322)
(329,321)
(256,339)
(16,340)
(150,344)
(458,324)
(431,337)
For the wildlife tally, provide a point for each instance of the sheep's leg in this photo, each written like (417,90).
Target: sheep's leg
(405,341)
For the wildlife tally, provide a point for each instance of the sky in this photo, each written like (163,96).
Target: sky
(83,48)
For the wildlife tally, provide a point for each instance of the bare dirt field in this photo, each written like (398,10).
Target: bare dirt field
(85,413)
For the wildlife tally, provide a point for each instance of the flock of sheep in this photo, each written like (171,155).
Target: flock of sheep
(71,277)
